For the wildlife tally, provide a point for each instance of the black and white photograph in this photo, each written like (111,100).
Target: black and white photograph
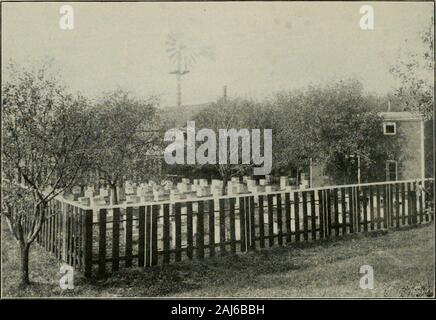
(217,150)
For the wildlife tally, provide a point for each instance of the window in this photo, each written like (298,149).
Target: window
(389,128)
(391,170)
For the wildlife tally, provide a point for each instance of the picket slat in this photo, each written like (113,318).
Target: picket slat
(371,207)
(378,201)
(393,205)
(351,208)
(397,206)
(178,230)
(321,213)
(87,243)
(189,231)
(242,227)
(344,210)
(102,242)
(297,216)
(247,222)
(222,221)
(385,207)
(279,219)
(305,219)
(329,212)
(403,204)
(200,230)
(336,209)
(79,238)
(287,217)
(232,225)
(116,239)
(262,223)
(74,234)
(270,200)
(166,233)
(154,225)
(59,231)
(148,238)
(312,215)
(129,236)
(420,205)
(252,224)
(141,236)
(211,214)
(70,234)
(365,209)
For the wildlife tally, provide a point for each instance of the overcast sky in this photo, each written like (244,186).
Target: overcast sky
(259,48)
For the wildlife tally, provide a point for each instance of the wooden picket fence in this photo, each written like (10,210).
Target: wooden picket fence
(101,240)
(67,232)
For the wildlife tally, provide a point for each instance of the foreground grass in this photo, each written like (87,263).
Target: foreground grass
(403,263)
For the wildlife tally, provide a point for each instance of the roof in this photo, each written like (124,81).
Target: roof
(401,116)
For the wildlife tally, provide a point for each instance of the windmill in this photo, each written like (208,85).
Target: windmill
(184,57)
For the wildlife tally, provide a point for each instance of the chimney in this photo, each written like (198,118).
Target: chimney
(225,93)
(389,105)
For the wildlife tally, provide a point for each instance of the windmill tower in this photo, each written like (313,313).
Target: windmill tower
(184,57)
(176,51)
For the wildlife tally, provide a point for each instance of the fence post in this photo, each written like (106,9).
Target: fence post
(87,243)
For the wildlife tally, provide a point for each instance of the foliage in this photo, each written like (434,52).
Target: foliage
(230,114)
(127,138)
(329,124)
(45,133)
(415,72)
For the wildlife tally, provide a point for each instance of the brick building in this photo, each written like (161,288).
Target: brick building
(416,138)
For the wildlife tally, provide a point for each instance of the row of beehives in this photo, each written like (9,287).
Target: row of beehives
(198,188)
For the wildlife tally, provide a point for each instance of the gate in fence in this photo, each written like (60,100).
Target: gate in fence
(103,239)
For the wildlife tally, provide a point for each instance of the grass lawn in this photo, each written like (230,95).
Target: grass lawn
(403,263)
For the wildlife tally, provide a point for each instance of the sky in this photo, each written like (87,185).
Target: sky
(258,48)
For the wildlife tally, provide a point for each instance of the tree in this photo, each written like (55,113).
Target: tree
(294,137)
(128,139)
(229,114)
(45,146)
(415,72)
(329,124)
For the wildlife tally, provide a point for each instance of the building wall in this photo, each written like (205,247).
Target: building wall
(409,158)
(410,162)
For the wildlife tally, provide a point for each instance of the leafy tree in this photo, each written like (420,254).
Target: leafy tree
(229,114)
(329,124)
(45,146)
(128,139)
(294,139)
(415,72)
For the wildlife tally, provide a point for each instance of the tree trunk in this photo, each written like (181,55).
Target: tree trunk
(114,193)
(24,248)
(224,184)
